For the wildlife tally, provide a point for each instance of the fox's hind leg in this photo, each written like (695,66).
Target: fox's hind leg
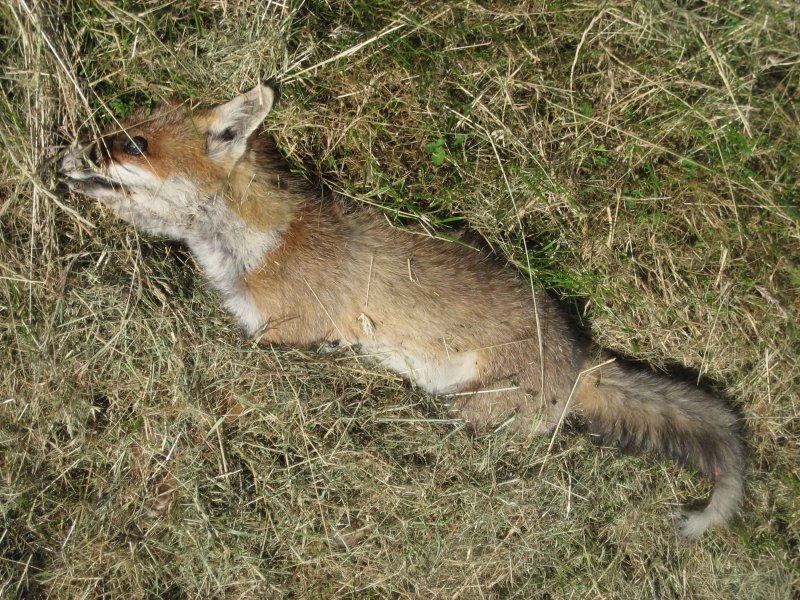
(497,405)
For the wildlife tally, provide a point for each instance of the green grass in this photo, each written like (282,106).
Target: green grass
(646,153)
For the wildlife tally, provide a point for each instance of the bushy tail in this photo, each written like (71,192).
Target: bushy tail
(643,411)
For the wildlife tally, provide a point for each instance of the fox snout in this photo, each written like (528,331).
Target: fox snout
(114,162)
(78,168)
(101,152)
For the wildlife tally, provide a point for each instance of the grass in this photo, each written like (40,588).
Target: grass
(647,153)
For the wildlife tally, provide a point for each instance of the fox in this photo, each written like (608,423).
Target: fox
(299,266)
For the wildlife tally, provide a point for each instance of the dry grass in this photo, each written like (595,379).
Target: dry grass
(649,153)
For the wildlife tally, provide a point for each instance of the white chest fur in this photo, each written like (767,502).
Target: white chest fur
(227,250)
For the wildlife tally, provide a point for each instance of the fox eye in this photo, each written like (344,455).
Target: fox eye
(136,146)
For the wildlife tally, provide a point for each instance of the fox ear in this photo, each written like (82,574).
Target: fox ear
(233,122)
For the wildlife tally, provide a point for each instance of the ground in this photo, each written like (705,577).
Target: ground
(639,159)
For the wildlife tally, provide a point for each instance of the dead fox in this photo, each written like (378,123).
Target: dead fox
(297,267)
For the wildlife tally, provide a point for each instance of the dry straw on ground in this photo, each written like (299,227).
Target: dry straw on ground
(646,152)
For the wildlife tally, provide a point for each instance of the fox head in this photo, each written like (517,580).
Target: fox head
(181,173)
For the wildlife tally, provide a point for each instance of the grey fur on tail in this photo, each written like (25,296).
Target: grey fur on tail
(643,411)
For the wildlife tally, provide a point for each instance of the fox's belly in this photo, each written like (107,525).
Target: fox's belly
(435,374)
